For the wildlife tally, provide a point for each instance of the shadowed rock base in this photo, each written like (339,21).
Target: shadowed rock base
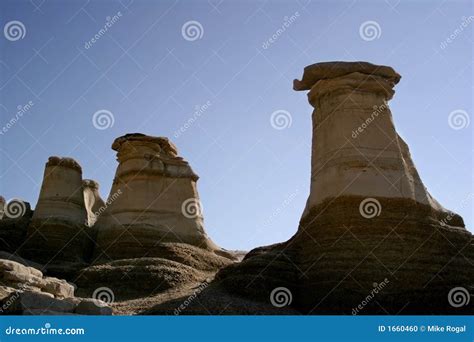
(67,242)
(169,265)
(338,257)
(122,242)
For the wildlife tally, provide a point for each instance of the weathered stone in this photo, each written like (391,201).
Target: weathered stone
(14,268)
(24,290)
(22,302)
(5,291)
(20,260)
(90,306)
(58,287)
(403,238)
(25,278)
(328,70)
(356,150)
(57,230)
(153,199)
(18,277)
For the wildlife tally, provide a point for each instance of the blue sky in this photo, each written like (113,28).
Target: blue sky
(254,178)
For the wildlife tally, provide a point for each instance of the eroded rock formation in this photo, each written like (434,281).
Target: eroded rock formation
(57,229)
(368,219)
(369,224)
(153,200)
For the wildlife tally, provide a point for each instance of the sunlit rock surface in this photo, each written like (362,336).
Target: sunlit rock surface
(154,199)
(369,220)
(57,231)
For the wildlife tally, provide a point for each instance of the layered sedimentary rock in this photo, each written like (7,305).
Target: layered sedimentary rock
(356,150)
(369,220)
(179,264)
(153,200)
(57,229)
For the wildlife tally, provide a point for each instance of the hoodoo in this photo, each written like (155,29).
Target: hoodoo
(356,150)
(57,229)
(153,200)
(370,227)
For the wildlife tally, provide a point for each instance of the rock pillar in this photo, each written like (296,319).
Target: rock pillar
(356,150)
(57,230)
(153,200)
(370,229)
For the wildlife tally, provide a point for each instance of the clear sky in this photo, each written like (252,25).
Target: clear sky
(150,74)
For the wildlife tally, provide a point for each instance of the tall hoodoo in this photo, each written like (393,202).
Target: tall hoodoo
(368,219)
(365,184)
(356,150)
(153,199)
(57,230)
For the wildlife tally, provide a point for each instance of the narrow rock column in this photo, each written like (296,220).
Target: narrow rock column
(153,199)
(92,200)
(356,150)
(56,232)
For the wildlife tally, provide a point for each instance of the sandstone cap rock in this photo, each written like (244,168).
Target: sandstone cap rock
(164,143)
(325,70)
(90,183)
(63,161)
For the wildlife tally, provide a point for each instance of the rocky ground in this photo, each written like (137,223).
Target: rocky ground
(24,290)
